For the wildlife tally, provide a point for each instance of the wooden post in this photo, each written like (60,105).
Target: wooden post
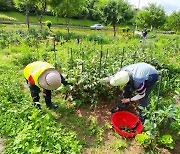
(82,61)
(100,63)
(54,44)
(100,60)
(134,57)
(107,52)
(122,59)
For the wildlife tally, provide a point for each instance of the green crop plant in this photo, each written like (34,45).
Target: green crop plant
(166,140)
(119,145)
(92,125)
(143,139)
(99,136)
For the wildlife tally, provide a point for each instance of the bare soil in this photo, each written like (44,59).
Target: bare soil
(103,115)
(2,146)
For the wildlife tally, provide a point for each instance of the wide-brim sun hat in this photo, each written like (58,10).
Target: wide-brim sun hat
(50,79)
(120,79)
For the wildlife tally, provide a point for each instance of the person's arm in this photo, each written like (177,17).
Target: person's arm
(64,82)
(137,97)
(140,94)
(108,79)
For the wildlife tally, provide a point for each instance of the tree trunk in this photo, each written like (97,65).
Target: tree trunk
(42,10)
(152,28)
(39,17)
(40,20)
(27,17)
(57,19)
(114,28)
(67,24)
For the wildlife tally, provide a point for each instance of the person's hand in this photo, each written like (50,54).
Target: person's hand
(68,87)
(69,84)
(105,80)
(102,81)
(126,100)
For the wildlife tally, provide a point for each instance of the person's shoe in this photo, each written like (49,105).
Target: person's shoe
(142,119)
(115,109)
(120,107)
(37,105)
(53,106)
(123,106)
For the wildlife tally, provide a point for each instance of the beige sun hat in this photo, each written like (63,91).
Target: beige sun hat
(50,79)
(120,79)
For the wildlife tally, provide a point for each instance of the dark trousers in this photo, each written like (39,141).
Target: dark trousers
(35,90)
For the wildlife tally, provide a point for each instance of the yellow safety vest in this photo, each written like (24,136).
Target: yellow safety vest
(35,69)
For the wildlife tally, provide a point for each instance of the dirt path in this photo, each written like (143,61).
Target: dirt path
(1,145)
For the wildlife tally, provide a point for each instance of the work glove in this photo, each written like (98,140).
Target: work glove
(106,79)
(69,87)
(69,84)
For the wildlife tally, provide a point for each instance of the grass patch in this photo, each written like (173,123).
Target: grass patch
(7,18)
(33,18)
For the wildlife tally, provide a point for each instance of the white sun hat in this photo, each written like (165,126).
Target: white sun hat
(50,79)
(120,79)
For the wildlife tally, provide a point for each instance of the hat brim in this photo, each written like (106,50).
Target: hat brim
(43,83)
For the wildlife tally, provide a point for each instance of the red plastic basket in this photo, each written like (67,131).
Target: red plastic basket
(126,119)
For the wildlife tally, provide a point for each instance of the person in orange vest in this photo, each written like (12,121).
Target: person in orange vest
(43,75)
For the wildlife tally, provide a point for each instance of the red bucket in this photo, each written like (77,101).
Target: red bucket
(126,119)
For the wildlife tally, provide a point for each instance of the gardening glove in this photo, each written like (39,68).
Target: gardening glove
(69,87)
(102,81)
(105,80)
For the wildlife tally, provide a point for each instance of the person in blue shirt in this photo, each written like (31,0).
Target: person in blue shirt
(140,77)
(144,33)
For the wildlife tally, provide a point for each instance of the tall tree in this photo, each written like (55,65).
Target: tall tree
(174,21)
(24,5)
(41,6)
(93,9)
(7,5)
(157,15)
(68,9)
(54,7)
(142,18)
(115,12)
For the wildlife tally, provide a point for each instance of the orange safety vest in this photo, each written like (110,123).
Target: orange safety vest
(33,70)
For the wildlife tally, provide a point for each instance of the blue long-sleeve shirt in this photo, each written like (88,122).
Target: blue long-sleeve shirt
(139,74)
